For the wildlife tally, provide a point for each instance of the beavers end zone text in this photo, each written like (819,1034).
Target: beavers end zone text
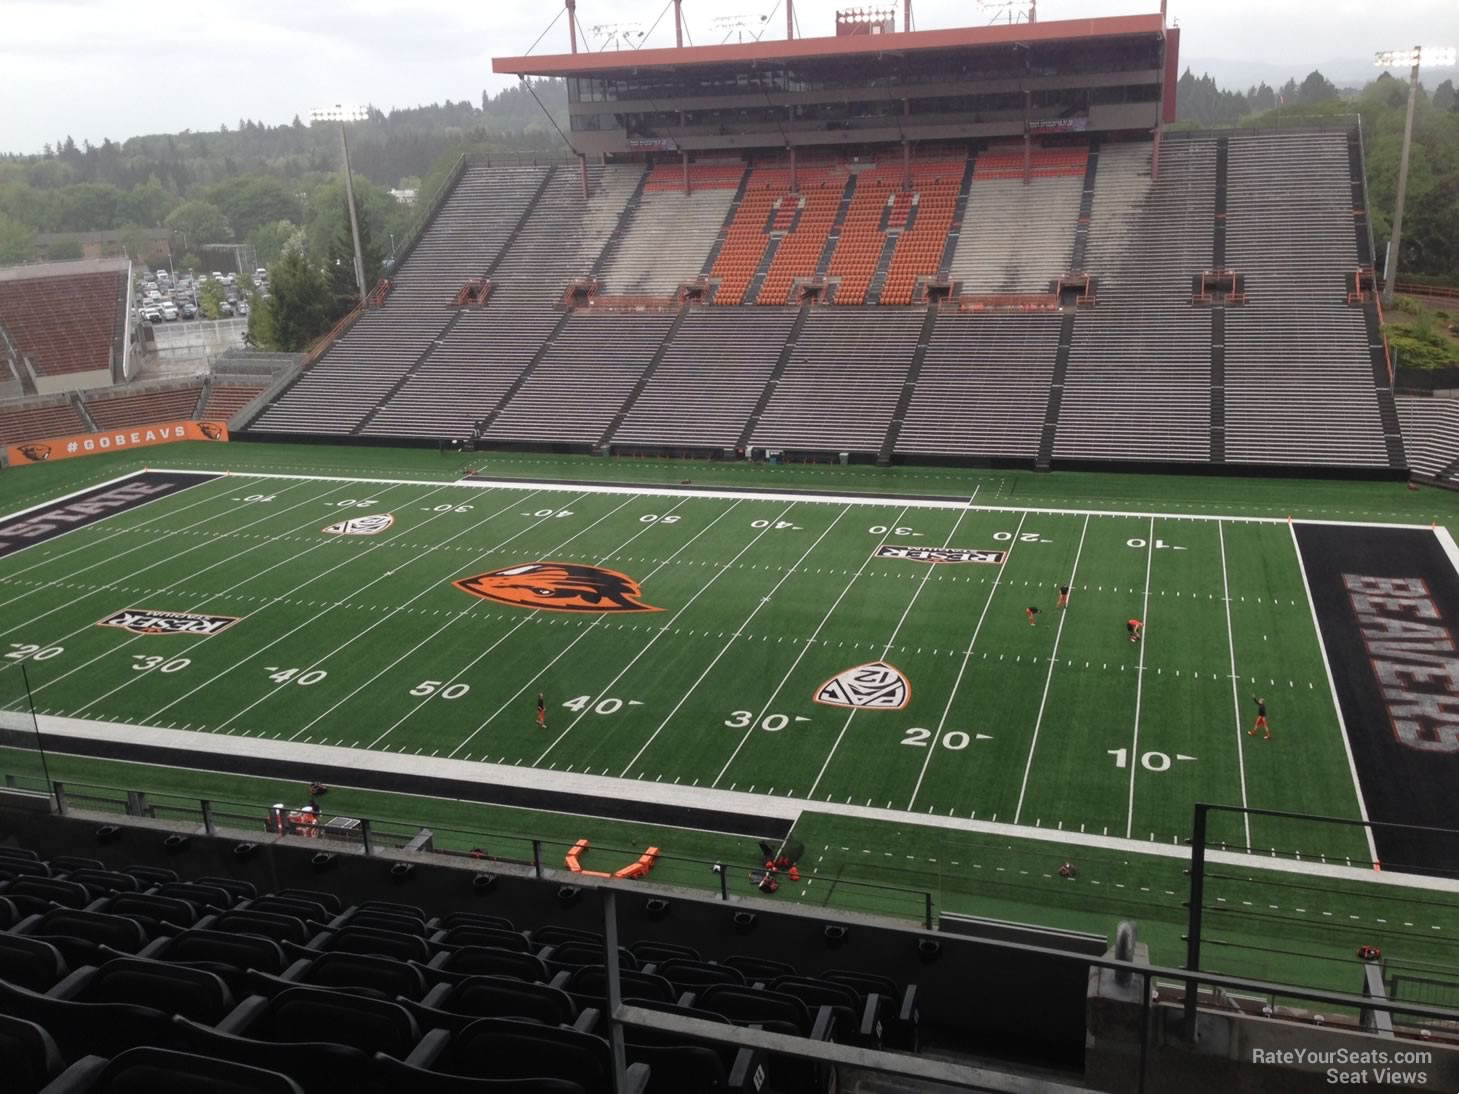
(777,645)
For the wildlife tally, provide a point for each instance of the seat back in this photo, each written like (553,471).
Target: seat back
(385,975)
(30,962)
(161,1071)
(152,910)
(500,997)
(49,890)
(115,931)
(505,1048)
(281,928)
(693,975)
(100,882)
(28,1055)
(173,989)
(370,1025)
(493,961)
(241,951)
(475,935)
(370,940)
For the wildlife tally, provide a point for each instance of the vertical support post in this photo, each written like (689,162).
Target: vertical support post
(572,24)
(684,159)
(907,15)
(678,24)
(614,988)
(794,179)
(583,172)
(537,857)
(1027,156)
(1197,898)
(789,19)
(207,810)
(35,724)
(927,917)
(1155,154)
(60,789)
(906,165)
(349,195)
(367,837)
(723,881)
(1390,267)
(1144,1032)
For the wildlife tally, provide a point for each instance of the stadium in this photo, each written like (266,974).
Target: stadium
(891,568)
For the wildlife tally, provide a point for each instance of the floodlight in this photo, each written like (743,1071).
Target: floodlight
(339,113)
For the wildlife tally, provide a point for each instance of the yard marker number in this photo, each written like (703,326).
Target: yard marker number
(356,503)
(1150,761)
(284,676)
(259,497)
(22,650)
(1160,545)
(144,663)
(771,723)
(430,687)
(654,518)
(603,706)
(447,508)
(883,530)
(954,739)
(550,513)
(1023,537)
(777,524)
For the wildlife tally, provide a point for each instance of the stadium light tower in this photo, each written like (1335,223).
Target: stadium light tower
(343,115)
(1397,58)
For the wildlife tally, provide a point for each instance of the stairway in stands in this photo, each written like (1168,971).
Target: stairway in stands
(909,386)
(1045,457)
(780,362)
(405,376)
(1218,311)
(954,234)
(630,211)
(643,379)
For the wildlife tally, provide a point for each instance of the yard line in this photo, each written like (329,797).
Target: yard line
(1235,698)
(1140,685)
(806,646)
(664,630)
(585,632)
(1053,663)
(374,581)
(733,637)
(887,648)
(143,570)
(119,531)
(221,562)
(967,656)
(1336,705)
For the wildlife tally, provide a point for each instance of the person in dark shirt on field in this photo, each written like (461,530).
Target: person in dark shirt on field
(541,710)
(1031,612)
(1261,722)
(1063,596)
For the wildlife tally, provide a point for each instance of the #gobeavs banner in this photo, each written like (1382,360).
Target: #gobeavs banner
(88,444)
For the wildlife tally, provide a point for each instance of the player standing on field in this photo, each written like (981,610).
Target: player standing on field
(1261,722)
(1135,627)
(1063,596)
(1031,611)
(541,710)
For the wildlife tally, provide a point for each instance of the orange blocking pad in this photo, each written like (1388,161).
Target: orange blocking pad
(637,869)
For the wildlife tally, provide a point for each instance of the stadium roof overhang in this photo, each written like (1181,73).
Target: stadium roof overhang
(844,49)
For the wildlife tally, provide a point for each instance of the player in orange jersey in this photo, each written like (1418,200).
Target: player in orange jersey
(1261,722)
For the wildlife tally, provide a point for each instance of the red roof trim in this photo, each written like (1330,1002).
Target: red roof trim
(562,64)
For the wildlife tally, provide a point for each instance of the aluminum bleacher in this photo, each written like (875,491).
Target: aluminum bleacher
(32,420)
(65,317)
(710,379)
(983,388)
(228,398)
(1016,236)
(1430,434)
(1299,380)
(122,408)
(840,387)
(918,253)
(669,234)
(1138,382)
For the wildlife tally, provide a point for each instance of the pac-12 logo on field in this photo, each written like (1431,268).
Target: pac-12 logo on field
(940,554)
(875,686)
(559,587)
(372,525)
(142,621)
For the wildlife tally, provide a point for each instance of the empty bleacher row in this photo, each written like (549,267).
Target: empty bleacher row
(132,978)
(668,235)
(1018,237)
(1138,383)
(1430,434)
(116,410)
(1299,381)
(66,320)
(37,419)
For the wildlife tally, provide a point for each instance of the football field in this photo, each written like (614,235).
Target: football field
(851,651)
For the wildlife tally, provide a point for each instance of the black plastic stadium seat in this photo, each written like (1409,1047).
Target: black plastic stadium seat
(676,1068)
(10,915)
(858,1017)
(241,890)
(172,989)
(74,862)
(22,853)
(151,875)
(389,908)
(901,1016)
(369,940)
(755,1006)
(650,952)
(118,932)
(294,906)
(365,974)
(404,1077)
(695,975)
(151,910)
(238,951)
(12,868)
(28,1056)
(204,896)
(329,900)
(315,1014)
(85,1029)
(553,935)
(318,1067)
(758,968)
(384,921)
(484,961)
(578,954)
(474,935)
(161,1071)
(36,894)
(281,928)
(104,882)
(453,1006)
(503,1048)
(588,985)
(476,919)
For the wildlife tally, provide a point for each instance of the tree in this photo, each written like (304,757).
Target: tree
(134,241)
(201,221)
(17,243)
(1444,97)
(252,200)
(299,302)
(210,299)
(340,265)
(65,250)
(1316,88)
(271,239)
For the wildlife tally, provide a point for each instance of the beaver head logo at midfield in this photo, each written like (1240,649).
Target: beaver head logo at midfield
(36,453)
(559,587)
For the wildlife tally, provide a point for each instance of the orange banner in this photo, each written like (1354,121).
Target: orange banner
(114,440)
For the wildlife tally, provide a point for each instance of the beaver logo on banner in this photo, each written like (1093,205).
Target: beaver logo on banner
(874,686)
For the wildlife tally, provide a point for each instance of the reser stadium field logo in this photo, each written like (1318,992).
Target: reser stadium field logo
(142,621)
(940,554)
(559,587)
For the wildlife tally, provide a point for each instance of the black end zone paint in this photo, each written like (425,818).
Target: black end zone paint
(521,797)
(1407,777)
(46,522)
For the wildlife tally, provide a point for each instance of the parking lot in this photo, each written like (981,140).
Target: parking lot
(161,296)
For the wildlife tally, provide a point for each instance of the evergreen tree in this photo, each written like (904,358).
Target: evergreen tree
(340,265)
(299,303)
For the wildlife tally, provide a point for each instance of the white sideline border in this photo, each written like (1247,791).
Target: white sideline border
(913,501)
(659,793)
(98,486)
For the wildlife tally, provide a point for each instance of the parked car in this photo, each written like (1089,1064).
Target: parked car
(225,309)
(188,311)
(169,312)
(243,307)
(260,274)
(152,315)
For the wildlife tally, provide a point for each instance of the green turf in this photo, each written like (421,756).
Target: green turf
(1061,726)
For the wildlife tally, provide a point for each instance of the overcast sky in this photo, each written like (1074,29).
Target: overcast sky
(119,68)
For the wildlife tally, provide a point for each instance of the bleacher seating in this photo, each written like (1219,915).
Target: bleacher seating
(65,322)
(861,238)
(1016,236)
(766,190)
(1430,434)
(182,985)
(583,379)
(919,247)
(228,397)
(710,379)
(668,236)
(841,384)
(25,422)
(1138,385)
(800,250)
(128,408)
(983,388)
(1299,381)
